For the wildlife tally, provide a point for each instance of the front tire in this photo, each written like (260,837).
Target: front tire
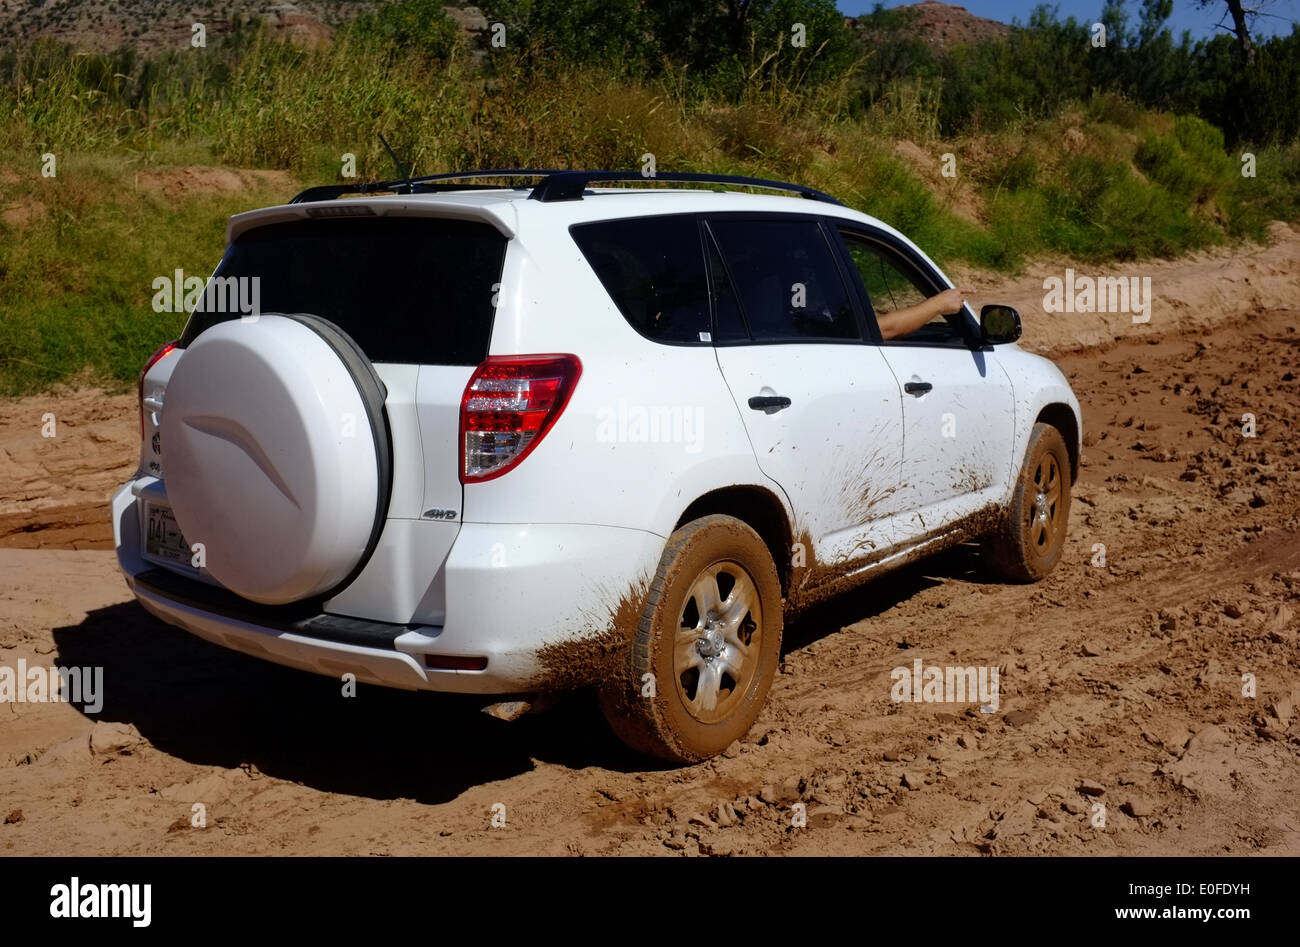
(1027,545)
(706,648)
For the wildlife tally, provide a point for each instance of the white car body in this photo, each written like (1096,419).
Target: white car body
(519,573)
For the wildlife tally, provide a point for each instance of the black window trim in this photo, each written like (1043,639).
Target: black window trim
(968,334)
(709,241)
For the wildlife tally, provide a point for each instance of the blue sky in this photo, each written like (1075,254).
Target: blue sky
(1187,13)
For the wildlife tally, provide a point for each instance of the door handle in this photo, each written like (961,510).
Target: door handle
(769,403)
(917,387)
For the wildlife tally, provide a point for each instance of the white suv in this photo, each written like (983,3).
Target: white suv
(514,440)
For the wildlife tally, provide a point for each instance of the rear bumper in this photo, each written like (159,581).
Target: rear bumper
(511,593)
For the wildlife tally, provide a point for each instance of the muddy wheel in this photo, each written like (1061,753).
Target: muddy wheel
(710,636)
(1028,543)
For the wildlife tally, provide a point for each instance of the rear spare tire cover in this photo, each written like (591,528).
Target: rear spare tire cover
(275,455)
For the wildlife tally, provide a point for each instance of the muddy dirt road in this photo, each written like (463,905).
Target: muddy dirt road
(1121,679)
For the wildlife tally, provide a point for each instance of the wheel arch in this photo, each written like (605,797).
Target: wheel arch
(1062,417)
(757,507)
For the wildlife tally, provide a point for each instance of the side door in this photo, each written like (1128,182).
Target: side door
(820,405)
(958,405)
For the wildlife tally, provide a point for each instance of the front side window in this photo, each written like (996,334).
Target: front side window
(892,284)
(786,279)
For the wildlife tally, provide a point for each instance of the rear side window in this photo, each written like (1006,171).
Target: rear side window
(653,269)
(407,289)
(785,274)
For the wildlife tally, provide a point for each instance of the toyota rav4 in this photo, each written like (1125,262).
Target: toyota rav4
(512,440)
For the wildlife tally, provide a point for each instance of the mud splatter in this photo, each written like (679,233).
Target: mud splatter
(859,497)
(817,581)
(595,655)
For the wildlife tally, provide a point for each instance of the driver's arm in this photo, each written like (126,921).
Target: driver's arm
(903,322)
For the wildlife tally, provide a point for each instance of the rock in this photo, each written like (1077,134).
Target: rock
(508,710)
(1137,807)
(1271,729)
(14,817)
(722,847)
(702,820)
(725,814)
(912,781)
(768,794)
(822,816)
(1090,650)
(1091,788)
(891,756)
(1204,739)
(1036,798)
(1073,806)
(1018,718)
(1233,610)
(110,739)
(1282,618)
(1282,708)
(1210,673)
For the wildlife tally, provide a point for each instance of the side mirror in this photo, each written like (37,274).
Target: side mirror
(999,325)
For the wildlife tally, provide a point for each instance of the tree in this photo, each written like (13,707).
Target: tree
(1240,14)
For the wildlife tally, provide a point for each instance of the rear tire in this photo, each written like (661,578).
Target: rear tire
(710,639)
(1028,542)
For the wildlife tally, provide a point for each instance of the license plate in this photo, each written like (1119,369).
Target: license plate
(163,537)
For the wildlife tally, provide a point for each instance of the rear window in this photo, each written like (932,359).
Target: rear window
(653,269)
(407,289)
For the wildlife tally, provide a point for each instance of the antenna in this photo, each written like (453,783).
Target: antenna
(410,187)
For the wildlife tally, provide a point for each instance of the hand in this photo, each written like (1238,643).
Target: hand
(950,301)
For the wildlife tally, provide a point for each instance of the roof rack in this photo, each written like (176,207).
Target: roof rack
(426,182)
(572,185)
(555,185)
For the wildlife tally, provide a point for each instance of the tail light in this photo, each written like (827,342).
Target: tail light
(153,360)
(509,405)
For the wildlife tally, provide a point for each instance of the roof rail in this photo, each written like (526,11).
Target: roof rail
(555,185)
(426,182)
(571,185)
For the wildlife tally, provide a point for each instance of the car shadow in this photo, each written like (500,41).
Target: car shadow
(211,706)
(960,563)
(214,707)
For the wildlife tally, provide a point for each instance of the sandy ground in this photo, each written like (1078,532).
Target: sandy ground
(1121,683)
